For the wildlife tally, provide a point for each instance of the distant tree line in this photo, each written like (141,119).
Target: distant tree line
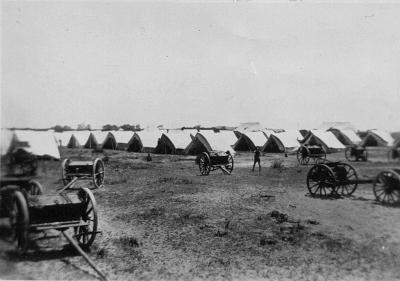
(59,128)
(85,127)
(125,127)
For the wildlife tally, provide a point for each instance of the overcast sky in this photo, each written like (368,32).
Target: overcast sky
(285,65)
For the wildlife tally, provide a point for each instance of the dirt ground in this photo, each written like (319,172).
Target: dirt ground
(161,220)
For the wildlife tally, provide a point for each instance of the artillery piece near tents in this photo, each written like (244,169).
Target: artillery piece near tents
(356,153)
(213,160)
(307,152)
(337,178)
(83,170)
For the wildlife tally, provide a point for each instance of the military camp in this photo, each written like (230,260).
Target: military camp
(212,140)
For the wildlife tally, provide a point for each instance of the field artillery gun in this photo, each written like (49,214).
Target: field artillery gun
(337,178)
(83,170)
(307,152)
(356,153)
(74,214)
(214,160)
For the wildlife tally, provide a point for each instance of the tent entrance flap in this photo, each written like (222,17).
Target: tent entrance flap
(273,145)
(197,147)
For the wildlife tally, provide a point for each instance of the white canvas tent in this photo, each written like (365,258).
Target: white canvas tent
(210,140)
(326,139)
(122,138)
(283,141)
(39,143)
(78,139)
(63,137)
(354,138)
(104,139)
(346,137)
(377,138)
(290,138)
(175,141)
(248,141)
(385,135)
(144,141)
(100,136)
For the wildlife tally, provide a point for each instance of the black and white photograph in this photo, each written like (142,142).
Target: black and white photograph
(200,140)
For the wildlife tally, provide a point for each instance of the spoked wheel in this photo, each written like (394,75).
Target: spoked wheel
(387,187)
(346,178)
(205,164)
(350,154)
(34,188)
(19,219)
(393,154)
(98,172)
(86,234)
(320,180)
(229,165)
(64,167)
(303,155)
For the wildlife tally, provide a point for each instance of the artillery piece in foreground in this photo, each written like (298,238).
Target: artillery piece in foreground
(73,213)
(337,178)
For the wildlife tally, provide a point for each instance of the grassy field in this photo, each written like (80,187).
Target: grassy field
(161,220)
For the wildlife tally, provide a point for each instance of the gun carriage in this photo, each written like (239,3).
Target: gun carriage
(307,152)
(356,153)
(337,178)
(214,160)
(76,210)
(83,170)
(73,213)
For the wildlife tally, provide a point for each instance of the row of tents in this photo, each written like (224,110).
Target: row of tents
(190,142)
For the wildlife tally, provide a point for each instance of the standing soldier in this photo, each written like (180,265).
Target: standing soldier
(257,160)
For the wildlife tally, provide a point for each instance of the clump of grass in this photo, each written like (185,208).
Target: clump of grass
(152,213)
(129,241)
(123,217)
(175,180)
(189,216)
(183,181)
(277,164)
